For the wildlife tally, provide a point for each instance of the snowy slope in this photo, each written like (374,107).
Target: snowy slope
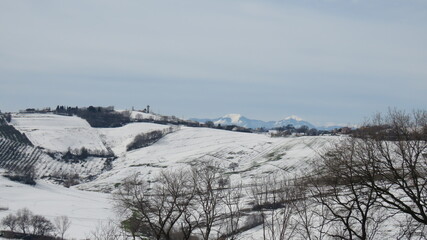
(85,209)
(255,154)
(16,156)
(58,133)
(118,138)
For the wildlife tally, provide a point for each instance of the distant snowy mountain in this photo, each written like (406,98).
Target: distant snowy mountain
(239,120)
(295,121)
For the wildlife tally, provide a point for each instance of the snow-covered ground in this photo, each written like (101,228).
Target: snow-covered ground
(58,133)
(251,155)
(84,209)
(254,154)
(118,138)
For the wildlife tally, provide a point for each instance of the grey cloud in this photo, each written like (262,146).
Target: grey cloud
(292,49)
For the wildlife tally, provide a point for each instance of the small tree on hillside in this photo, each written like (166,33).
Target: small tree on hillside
(10,221)
(106,231)
(354,208)
(41,226)
(232,201)
(23,219)
(62,224)
(209,124)
(158,207)
(273,198)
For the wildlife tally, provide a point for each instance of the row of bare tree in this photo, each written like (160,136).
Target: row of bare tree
(27,223)
(201,204)
(173,206)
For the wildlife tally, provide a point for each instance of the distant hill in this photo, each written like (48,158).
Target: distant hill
(239,120)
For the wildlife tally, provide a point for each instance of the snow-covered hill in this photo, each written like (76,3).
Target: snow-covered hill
(239,120)
(58,133)
(254,154)
(242,156)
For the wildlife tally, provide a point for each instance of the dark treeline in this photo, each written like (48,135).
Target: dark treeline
(147,139)
(101,117)
(306,131)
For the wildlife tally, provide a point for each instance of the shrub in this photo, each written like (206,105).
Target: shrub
(147,139)
(25,176)
(254,220)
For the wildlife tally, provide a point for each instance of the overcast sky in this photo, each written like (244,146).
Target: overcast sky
(323,60)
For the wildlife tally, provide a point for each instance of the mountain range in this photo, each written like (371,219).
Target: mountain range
(239,120)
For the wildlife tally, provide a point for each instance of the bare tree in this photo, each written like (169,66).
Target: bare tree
(232,200)
(206,179)
(411,229)
(133,196)
(106,231)
(161,205)
(41,226)
(310,217)
(26,222)
(396,153)
(273,199)
(10,221)
(337,185)
(190,221)
(383,163)
(175,193)
(23,219)
(258,190)
(281,223)
(62,224)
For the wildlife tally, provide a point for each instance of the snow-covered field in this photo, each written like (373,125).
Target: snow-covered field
(84,209)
